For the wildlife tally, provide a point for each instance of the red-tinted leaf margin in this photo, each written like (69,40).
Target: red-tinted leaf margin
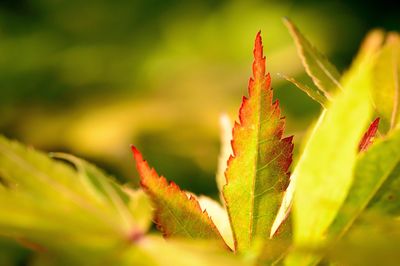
(260,88)
(147,175)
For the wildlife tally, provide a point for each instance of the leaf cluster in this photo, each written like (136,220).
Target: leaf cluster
(343,190)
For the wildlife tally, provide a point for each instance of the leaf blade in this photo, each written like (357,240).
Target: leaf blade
(322,187)
(386,93)
(257,172)
(46,205)
(373,167)
(176,214)
(323,73)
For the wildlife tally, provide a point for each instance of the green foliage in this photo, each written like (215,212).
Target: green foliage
(176,213)
(324,75)
(372,169)
(386,94)
(257,172)
(62,210)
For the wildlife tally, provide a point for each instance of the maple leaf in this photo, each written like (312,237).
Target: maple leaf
(287,202)
(323,73)
(386,92)
(321,178)
(176,214)
(257,173)
(314,93)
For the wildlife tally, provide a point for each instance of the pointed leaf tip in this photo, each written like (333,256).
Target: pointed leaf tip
(141,164)
(259,59)
(136,154)
(257,172)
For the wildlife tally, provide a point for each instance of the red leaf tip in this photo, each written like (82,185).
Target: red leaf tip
(369,135)
(136,154)
(258,47)
(259,58)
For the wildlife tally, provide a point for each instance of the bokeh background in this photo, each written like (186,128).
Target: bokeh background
(92,77)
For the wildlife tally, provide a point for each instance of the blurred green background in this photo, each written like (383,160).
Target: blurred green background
(92,77)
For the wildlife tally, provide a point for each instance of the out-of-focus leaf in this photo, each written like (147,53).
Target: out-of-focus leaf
(257,173)
(176,214)
(219,216)
(12,254)
(324,75)
(386,200)
(140,208)
(49,206)
(323,174)
(386,93)
(225,152)
(371,44)
(287,201)
(373,167)
(313,92)
(133,206)
(369,135)
(33,171)
(273,251)
(183,252)
(374,240)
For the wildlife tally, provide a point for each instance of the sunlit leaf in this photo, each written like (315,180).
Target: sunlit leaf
(183,252)
(324,172)
(374,240)
(371,44)
(386,200)
(176,214)
(257,173)
(133,206)
(324,75)
(372,169)
(386,93)
(48,205)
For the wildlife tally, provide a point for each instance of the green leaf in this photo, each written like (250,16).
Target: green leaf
(324,172)
(324,75)
(312,92)
(373,240)
(50,205)
(176,214)
(371,45)
(183,252)
(386,200)
(386,93)
(140,208)
(133,206)
(373,168)
(257,173)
